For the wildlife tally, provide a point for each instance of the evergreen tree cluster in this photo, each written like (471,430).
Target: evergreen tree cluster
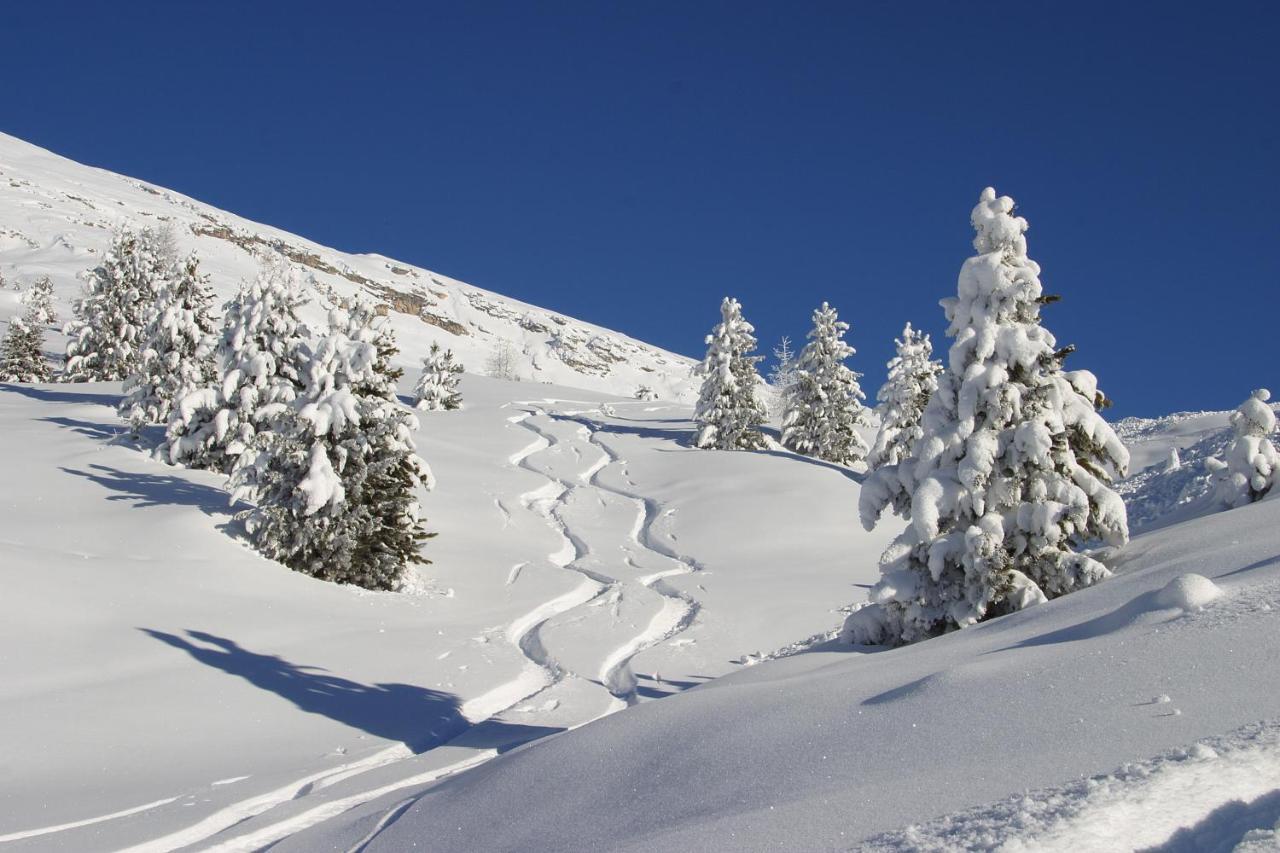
(307,426)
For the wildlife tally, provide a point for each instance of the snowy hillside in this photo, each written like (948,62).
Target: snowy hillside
(625,639)
(843,750)
(162,685)
(57,217)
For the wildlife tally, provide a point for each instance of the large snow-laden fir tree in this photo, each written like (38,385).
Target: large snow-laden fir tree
(335,480)
(913,377)
(104,340)
(1010,476)
(729,407)
(1250,465)
(177,356)
(256,361)
(437,387)
(22,350)
(824,402)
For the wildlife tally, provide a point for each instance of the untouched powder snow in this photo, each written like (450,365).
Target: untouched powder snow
(827,749)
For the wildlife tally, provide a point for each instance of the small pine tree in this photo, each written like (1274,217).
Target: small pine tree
(729,407)
(913,377)
(645,393)
(824,403)
(335,479)
(104,338)
(39,301)
(177,358)
(1250,466)
(1011,472)
(437,387)
(22,350)
(257,370)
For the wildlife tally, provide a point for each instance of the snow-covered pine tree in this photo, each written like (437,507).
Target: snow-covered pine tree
(646,394)
(177,355)
(1250,466)
(335,479)
(1011,472)
(39,301)
(913,376)
(22,349)
(104,338)
(824,403)
(729,407)
(256,363)
(437,387)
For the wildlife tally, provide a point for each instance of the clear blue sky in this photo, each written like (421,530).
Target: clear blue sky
(631,164)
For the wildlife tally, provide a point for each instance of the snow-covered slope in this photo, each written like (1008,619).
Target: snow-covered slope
(162,685)
(826,750)
(1162,488)
(57,217)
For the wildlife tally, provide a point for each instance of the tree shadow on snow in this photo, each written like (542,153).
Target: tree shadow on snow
(418,717)
(148,490)
(59,395)
(1224,827)
(92,429)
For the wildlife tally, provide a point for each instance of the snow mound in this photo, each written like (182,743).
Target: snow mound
(1188,592)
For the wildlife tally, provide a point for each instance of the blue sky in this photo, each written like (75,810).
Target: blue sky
(631,164)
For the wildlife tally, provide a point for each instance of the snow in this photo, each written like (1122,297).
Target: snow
(57,218)
(163,686)
(1188,592)
(144,629)
(828,748)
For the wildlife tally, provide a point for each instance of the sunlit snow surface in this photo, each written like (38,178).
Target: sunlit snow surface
(163,687)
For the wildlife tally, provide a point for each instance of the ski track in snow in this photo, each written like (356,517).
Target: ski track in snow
(541,671)
(677,610)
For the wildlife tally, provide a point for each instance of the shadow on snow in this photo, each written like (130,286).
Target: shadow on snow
(148,490)
(60,395)
(418,717)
